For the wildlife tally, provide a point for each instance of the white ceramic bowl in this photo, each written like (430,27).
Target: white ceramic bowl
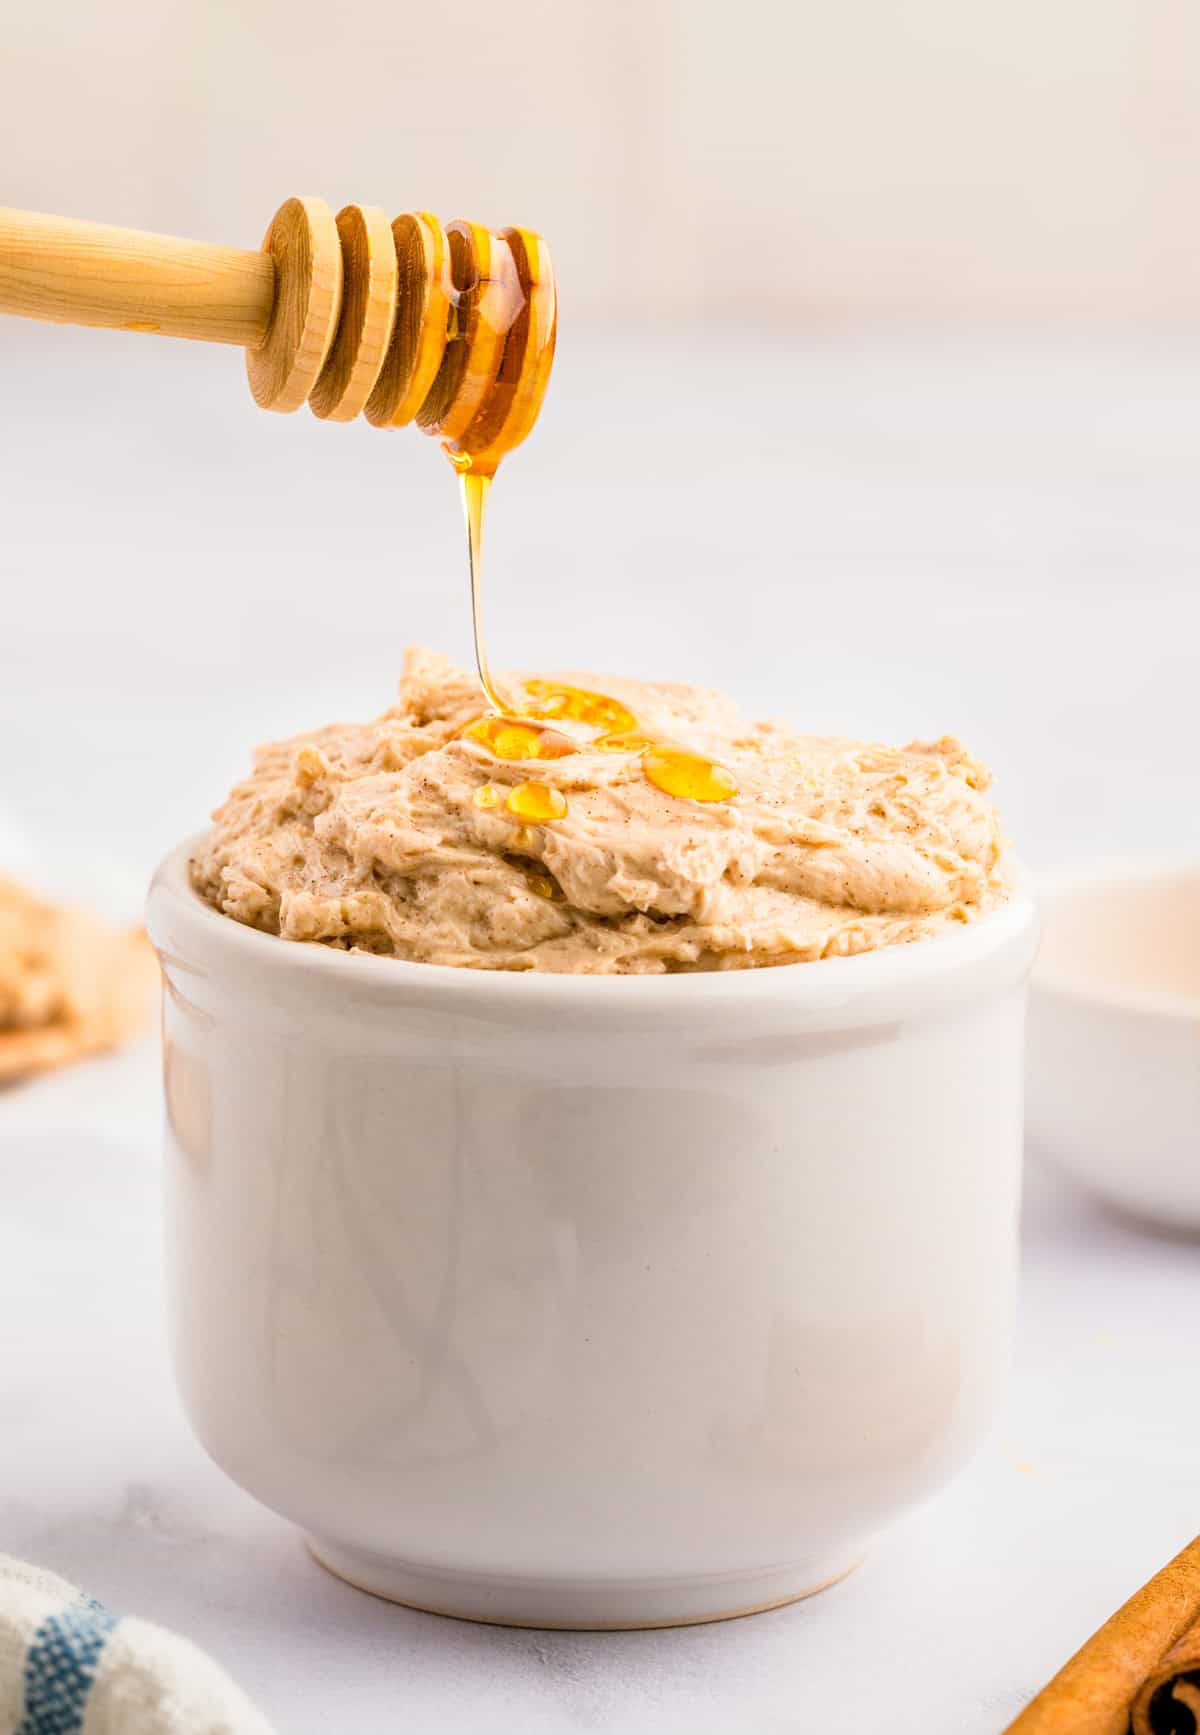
(1114,1038)
(589,1301)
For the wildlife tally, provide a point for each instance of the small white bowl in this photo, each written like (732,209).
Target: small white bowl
(589,1302)
(1114,1036)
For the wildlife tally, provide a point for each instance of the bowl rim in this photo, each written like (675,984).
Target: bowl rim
(1123,873)
(817,984)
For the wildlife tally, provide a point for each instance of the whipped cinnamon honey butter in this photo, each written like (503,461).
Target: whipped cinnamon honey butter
(599,825)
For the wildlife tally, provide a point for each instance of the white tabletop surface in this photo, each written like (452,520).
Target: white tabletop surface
(895,537)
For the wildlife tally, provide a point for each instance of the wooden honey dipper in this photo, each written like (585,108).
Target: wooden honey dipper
(451,327)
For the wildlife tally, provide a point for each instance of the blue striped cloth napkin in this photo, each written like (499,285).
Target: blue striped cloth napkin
(69,1667)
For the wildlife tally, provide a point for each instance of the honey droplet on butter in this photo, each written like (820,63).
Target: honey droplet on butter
(678,772)
(509,738)
(552,699)
(536,801)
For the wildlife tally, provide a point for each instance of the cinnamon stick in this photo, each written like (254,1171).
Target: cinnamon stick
(1156,1710)
(1140,1674)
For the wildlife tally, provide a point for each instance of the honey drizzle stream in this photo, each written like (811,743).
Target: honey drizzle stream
(510,735)
(503,290)
(475,489)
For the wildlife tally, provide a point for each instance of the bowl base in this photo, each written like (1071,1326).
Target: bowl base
(597,1605)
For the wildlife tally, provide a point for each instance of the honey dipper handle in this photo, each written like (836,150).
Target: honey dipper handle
(77,273)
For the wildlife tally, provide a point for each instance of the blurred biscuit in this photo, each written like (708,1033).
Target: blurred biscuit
(69,986)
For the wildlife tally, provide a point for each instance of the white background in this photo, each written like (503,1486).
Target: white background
(863,160)
(878,403)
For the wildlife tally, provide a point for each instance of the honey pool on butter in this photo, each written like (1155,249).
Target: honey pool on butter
(551,699)
(511,738)
(689,776)
(673,769)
